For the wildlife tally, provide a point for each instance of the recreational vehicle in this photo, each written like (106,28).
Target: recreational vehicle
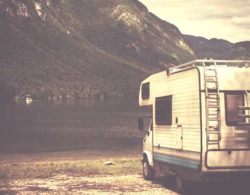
(200,127)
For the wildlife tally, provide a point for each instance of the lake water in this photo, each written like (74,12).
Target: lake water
(71,125)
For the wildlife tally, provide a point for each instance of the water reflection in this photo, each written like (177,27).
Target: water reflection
(69,125)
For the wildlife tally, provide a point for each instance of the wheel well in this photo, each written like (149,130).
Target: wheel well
(147,157)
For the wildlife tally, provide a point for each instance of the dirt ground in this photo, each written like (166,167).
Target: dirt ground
(76,173)
(103,184)
(92,172)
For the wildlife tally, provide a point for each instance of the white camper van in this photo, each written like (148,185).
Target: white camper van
(200,128)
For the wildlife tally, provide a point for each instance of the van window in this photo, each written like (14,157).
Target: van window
(145,91)
(163,110)
(233,100)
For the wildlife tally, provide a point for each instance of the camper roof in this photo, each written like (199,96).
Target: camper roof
(209,62)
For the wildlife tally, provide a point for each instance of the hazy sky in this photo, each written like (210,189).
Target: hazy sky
(226,19)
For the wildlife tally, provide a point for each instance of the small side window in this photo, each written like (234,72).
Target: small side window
(145,91)
(232,101)
(163,110)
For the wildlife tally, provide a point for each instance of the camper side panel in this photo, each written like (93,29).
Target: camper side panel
(178,141)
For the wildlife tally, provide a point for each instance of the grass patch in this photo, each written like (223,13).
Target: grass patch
(123,166)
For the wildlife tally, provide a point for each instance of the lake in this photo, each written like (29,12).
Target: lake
(70,125)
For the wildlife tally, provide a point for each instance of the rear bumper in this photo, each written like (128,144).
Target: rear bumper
(228,159)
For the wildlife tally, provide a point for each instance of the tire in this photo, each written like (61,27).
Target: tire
(148,172)
(181,185)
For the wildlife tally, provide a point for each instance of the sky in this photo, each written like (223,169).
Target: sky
(223,19)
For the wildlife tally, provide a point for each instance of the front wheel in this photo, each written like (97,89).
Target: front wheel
(148,172)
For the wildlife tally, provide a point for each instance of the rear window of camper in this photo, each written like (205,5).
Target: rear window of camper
(233,100)
(163,110)
(145,90)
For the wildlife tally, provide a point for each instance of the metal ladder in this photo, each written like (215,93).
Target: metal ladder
(212,103)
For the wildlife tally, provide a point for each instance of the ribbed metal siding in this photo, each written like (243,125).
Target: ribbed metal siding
(184,88)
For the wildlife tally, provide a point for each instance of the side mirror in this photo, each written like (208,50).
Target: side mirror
(140,124)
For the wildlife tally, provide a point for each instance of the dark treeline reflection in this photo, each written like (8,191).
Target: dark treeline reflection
(57,126)
(8,122)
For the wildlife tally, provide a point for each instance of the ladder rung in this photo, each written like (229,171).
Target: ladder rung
(212,143)
(213,129)
(212,88)
(213,94)
(212,100)
(210,76)
(213,119)
(213,103)
(211,81)
(213,97)
(210,103)
(209,114)
(212,69)
(213,133)
(213,109)
(212,112)
(217,134)
(214,139)
(213,106)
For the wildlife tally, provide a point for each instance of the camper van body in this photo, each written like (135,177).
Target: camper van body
(186,140)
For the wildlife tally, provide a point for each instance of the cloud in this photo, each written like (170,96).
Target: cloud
(242,21)
(227,19)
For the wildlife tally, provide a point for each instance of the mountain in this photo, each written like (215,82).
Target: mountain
(218,48)
(242,50)
(83,48)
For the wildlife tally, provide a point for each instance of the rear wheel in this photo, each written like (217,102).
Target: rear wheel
(181,185)
(148,172)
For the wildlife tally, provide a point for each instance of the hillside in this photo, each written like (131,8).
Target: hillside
(82,48)
(218,48)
